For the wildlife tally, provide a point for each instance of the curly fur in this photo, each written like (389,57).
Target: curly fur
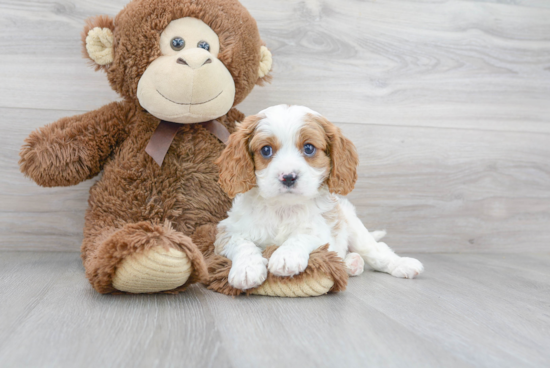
(101,21)
(102,263)
(236,165)
(74,149)
(139,25)
(343,157)
(322,263)
(136,204)
(303,167)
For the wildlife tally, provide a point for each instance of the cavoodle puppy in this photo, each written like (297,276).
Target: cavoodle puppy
(288,168)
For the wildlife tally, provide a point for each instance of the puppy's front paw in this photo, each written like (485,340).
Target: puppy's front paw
(407,268)
(248,273)
(288,262)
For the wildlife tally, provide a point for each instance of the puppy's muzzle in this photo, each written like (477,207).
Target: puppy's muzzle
(289,180)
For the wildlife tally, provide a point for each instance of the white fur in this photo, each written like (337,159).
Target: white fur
(292,218)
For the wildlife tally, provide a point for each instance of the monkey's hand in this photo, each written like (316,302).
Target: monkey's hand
(73,149)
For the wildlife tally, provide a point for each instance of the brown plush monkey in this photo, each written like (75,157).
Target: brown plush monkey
(178,64)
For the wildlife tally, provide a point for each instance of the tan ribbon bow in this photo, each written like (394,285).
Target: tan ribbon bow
(162,138)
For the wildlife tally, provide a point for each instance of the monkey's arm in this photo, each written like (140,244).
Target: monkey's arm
(75,148)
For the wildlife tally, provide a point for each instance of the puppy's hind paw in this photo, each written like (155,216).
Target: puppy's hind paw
(407,268)
(355,265)
(248,273)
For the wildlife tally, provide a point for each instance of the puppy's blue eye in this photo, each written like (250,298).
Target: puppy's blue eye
(266,151)
(177,43)
(204,45)
(309,149)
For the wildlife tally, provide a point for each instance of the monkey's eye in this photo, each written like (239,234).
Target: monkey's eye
(177,43)
(203,45)
(309,149)
(266,151)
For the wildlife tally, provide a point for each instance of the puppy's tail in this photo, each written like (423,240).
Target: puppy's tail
(378,234)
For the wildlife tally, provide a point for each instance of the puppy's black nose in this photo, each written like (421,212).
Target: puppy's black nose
(289,179)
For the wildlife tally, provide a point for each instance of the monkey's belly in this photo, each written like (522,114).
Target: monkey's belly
(182,191)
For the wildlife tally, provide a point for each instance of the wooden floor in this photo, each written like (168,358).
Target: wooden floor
(466,310)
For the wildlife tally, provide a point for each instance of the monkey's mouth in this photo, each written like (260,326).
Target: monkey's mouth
(189,103)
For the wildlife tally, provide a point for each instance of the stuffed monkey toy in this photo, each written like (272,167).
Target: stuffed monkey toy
(180,67)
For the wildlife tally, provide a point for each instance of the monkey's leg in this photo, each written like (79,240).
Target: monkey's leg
(142,258)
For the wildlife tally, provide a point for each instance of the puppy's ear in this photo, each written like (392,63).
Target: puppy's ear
(98,40)
(343,157)
(236,164)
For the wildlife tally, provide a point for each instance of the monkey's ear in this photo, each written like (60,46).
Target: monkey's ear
(97,40)
(266,64)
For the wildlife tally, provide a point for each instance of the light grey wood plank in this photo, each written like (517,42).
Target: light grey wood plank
(31,217)
(25,278)
(73,326)
(331,331)
(474,64)
(440,190)
(456,190)
(56,231)
(483,308)
(439,63)
(467,310)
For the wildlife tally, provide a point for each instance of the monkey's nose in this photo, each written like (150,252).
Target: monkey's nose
(194,62)
(289,180)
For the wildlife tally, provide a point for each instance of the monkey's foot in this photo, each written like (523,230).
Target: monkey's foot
(156,269)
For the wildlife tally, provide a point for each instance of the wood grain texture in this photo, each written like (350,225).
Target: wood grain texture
(31,217)
(432,189)
(475,64)
(466,311)
(73,325)
(454,190)
(447,102)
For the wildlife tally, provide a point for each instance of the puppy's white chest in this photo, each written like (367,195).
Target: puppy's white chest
(279,230)
(277,225)
(297,224)
(282,234)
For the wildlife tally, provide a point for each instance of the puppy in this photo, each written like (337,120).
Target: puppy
(288,168)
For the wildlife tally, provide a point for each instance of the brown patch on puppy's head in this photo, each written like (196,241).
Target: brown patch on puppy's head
(236,164)
(258,141)
(314,134)
(342,153)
